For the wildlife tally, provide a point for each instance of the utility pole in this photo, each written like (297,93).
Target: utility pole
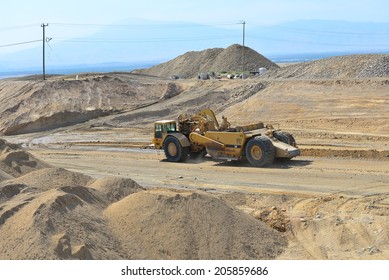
(44,42)
(243,38)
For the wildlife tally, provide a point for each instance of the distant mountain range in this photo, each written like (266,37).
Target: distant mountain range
(140,40)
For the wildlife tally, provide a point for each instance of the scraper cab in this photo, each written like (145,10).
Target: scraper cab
(201,134)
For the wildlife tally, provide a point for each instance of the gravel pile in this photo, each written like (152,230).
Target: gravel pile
(338,67)
(217,60)
(378,67)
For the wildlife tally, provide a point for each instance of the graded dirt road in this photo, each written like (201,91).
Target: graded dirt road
(303,175)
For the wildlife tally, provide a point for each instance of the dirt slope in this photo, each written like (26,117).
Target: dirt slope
(29,106)
(190,64)
(326,105)
(338,67)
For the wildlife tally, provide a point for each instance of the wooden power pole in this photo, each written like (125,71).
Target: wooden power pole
(243,38)
(44,42)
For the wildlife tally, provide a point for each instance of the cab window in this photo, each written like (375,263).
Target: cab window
(158,130)
(171,127)
(166,127)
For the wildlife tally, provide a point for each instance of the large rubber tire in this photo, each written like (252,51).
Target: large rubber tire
(260,151)
(285,137)
(173,150)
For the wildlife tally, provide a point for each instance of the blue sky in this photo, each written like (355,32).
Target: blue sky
(205,11)
(20,20)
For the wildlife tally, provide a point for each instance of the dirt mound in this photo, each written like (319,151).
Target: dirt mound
(163,224)
(345,153)
(15,162)
(52,214)
(115,188)
(339,67)
(32,106)
(55,225)
(231,57)
(57,214)
(52,178)
(190,64)
(4,176)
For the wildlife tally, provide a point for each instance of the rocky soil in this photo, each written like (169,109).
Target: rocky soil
(340,67)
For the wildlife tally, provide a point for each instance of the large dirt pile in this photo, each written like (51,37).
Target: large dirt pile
(31,106)
(339,67)
(190,64)
(15,162)
(52,213)
(162,224)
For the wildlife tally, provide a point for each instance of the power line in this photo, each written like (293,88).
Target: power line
(20,43)
(6,28)
(151,40)
(329,32)
(162,25)
(317,43)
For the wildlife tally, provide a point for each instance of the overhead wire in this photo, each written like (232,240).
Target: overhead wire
(185,25)
(162,25)
(141,40)
(316,42)
(7,28)
(20,43)
(289,30)
(328,32)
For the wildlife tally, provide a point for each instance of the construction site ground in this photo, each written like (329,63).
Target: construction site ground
(332,202)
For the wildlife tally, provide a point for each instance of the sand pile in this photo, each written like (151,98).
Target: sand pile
(52,213)
(52,178)
(190,64)
(48,214)
(339,67)
(163,224)
(114,189)
(15,161)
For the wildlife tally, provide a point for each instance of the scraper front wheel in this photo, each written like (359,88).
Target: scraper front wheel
(173,150)
(260,151)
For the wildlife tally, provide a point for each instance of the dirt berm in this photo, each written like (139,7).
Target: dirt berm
(30,106)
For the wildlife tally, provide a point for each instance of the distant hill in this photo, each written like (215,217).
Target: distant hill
(190,64)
